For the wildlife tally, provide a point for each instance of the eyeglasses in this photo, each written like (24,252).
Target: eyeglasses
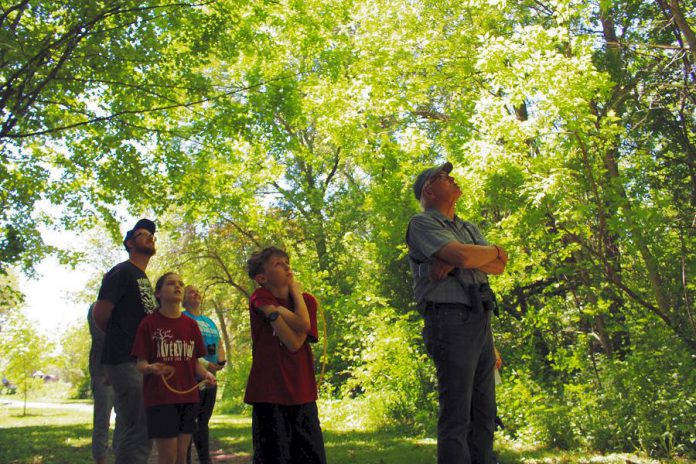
(442,175)
(146,235)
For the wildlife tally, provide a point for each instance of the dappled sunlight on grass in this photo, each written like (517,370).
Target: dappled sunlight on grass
(342,446)
(80,442)
(343,414)
(372,446)
(45,436)
(514,452)
(63,436)
(46,443)
(232,432)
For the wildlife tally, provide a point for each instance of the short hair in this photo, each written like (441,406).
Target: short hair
(258,259)
(423,202)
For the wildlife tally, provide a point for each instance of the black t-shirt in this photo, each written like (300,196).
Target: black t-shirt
(129,289)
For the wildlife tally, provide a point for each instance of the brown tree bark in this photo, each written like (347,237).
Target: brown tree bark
(220,313)
(684,27)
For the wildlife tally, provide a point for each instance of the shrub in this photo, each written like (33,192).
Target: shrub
(232,381)
(394,376)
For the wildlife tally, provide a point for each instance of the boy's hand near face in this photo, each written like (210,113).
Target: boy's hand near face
(298,320)
(295,286)
(291,326)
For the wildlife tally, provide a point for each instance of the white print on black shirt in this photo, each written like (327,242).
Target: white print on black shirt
(169,349)
(147,296)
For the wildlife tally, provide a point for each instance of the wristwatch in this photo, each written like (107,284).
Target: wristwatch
(273,316)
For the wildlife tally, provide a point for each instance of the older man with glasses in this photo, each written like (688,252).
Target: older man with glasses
(450,261)
(125,298)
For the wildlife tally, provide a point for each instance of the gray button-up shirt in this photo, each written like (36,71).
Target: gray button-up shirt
(428,232)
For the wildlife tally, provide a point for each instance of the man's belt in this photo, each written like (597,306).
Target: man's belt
(452,306)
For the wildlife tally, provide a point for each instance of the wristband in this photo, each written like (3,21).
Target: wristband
(222,363)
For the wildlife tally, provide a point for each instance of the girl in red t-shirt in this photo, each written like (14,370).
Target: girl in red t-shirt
(168,345)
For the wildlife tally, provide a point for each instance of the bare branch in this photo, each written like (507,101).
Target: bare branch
(337,158)
(239,229)
(434,115)
(186,105)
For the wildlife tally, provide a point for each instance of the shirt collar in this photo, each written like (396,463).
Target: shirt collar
(439,215)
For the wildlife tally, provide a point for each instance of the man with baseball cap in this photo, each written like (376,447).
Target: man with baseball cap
(125,298)
(450,261)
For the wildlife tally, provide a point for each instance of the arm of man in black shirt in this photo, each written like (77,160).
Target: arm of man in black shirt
(102,313)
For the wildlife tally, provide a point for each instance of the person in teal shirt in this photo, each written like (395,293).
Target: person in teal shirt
(214,360)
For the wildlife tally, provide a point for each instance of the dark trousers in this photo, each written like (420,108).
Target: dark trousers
(287,434)
(460,344)
(201,437)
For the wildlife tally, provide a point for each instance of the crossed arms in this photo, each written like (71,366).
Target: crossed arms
(489,259)
(291,327)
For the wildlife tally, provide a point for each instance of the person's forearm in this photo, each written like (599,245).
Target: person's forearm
(101,313)
(301,322)
(143,366)
(466,255)
(200,370)
(291,318)
(294,320)
(204,363)
(291,339)
(221,352)
(156,368)
(494,267)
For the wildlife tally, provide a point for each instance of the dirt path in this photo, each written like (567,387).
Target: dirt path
(217,455)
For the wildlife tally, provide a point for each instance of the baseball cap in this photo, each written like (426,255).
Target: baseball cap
(141,224)
(424,176)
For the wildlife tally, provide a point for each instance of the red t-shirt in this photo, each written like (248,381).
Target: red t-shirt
(176,342)
(277,375)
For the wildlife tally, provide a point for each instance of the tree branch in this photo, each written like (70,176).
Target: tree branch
(337,158)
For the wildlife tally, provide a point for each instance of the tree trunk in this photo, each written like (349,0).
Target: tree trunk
(683,26)
(613,180)
(223,329)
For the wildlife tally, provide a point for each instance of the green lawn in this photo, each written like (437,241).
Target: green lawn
(56,436)
(45,436)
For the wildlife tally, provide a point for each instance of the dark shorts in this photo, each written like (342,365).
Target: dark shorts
(170,420)
(287,434)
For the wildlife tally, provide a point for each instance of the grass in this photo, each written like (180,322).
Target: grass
(45,436)
(57,436)
(233,433)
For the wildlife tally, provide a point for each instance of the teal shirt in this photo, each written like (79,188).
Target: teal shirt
(211,336)
(428,232)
